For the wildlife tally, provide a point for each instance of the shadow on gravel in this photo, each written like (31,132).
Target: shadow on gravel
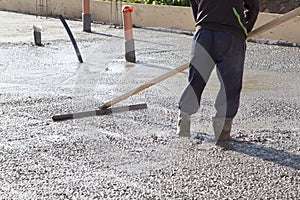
(139,40)
(107,35)
(265,153)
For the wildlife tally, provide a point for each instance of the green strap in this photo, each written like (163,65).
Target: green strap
(239,20)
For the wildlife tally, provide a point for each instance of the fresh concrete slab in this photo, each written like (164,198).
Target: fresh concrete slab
(135,154)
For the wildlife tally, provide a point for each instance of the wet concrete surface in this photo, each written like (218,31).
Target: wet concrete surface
(135,155)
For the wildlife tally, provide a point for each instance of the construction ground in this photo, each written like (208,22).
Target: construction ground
(136,154)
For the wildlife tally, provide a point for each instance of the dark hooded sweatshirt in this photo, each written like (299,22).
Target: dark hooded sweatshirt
(235,16)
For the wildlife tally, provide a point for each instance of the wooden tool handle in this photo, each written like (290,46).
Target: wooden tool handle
(144,86)
(274,23)
(183,67)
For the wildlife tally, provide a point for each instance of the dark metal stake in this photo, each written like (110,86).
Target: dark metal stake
(37,36)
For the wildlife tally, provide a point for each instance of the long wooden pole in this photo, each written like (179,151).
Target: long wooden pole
(183,67)
(144,86)
(273,23)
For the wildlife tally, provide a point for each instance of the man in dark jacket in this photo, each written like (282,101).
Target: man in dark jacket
(220,40)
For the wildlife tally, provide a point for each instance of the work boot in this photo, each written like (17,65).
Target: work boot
(222,128)
(184,124)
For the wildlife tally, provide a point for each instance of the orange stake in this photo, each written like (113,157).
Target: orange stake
(129,42)
(86,16)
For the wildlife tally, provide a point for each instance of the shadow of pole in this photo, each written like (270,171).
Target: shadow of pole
(138,40)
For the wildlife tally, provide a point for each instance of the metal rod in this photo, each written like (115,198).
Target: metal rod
(62,19)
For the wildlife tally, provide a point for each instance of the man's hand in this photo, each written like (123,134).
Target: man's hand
(252,7)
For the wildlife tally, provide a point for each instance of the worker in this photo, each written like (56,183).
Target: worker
(219,40)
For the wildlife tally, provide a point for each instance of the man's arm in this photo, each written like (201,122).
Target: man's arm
(194,4)
(252,7)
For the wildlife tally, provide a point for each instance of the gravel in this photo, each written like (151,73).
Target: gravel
(135,154)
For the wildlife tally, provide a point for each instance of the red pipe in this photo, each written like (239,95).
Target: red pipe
(127,21)
(129,42)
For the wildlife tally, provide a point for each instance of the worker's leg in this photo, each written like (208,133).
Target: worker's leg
(200,68)
(230,73)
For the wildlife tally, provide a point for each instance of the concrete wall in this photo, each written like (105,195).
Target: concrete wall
(289,30)
(68,8)
(143,15)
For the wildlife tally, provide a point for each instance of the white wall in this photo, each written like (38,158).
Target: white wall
(143,15)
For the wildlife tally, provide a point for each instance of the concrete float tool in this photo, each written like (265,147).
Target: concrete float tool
(104,108)
(99,112)
(183,67)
